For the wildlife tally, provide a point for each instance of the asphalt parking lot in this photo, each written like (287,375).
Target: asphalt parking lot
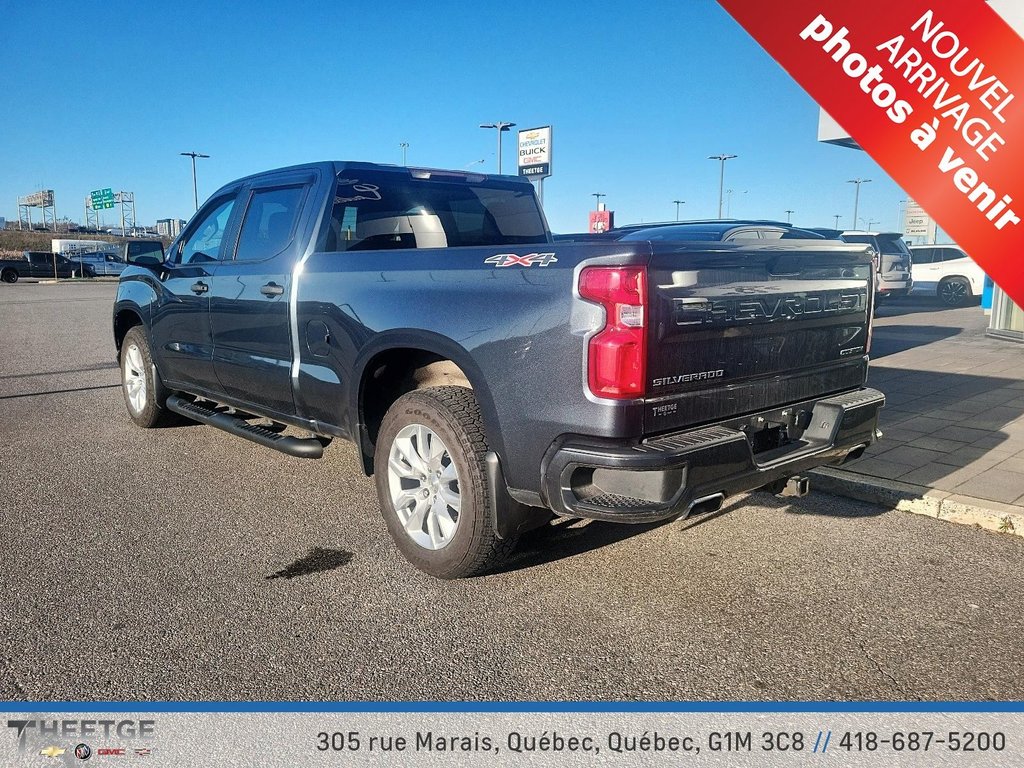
(184,563)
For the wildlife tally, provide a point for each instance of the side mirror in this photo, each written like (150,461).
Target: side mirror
(146,260)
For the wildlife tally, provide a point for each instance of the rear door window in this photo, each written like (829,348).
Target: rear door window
(950,254)
(269,222)
(923,255)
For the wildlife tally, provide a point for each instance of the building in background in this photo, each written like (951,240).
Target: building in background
(169,227)
(1007,319)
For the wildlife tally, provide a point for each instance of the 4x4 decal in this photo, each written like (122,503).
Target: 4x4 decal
(526,260)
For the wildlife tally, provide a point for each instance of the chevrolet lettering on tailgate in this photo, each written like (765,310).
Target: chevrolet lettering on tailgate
(786,307)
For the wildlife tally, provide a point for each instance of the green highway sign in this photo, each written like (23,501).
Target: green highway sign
(102,198)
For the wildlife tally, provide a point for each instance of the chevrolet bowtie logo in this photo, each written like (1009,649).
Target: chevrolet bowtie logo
(52,751)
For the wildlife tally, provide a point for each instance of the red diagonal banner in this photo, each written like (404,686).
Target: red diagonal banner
(933,91)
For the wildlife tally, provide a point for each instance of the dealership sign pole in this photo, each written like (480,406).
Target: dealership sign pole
(534,155)
(929,89)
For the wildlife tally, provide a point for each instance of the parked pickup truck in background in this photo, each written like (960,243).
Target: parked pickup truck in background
(37,264)
(489,376)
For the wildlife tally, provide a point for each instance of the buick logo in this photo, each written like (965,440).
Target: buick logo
(83,752)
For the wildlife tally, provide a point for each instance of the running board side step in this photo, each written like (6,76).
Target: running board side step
(302,448)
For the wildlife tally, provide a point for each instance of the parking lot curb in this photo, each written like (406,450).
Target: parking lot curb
(920,500)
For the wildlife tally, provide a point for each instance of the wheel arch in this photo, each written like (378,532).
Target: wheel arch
(127,315)
(947,278)
(402,361)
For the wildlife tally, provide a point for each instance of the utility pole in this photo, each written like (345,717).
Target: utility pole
(195,188)
(856,195)
(721,177)
(678,203)
(500,127)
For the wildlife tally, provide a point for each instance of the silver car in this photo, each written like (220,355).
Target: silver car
(99,263)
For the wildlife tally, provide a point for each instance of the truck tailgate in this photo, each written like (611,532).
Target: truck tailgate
(739,328)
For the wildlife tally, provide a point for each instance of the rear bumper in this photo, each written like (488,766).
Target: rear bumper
(894,288)
(666,476)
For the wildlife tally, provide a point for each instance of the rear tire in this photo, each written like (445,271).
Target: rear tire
(144,394)
(9,276)
(429,468)
(954,291)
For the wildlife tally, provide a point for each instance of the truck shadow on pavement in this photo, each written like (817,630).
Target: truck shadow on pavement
(893,339)
(84,369)
(949,431)
(59,391)
(568,537)
(564,538)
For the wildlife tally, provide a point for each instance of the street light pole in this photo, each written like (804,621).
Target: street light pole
(678,203)
(195,188)
(856,196)
(500,127)
(721,177)
(900,218)
(789,216)
(598,195)
(837,218)
(404,146)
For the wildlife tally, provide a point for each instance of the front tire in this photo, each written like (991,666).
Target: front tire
(431,481)
(144,393)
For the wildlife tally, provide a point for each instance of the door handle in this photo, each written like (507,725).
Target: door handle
(272,289)
(200,287)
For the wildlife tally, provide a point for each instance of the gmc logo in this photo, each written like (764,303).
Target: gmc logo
(689,312)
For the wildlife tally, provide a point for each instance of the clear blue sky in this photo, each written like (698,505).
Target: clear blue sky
(639,94)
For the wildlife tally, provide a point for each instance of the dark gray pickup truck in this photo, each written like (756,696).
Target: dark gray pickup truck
(37,264)
(489,376)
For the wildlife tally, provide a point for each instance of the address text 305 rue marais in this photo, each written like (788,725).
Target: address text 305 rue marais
(663,741)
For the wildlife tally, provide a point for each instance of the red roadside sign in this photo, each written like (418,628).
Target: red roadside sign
(933,91)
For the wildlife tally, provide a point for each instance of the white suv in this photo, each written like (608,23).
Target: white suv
(947,272)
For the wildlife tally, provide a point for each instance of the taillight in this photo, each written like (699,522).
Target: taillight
(617,354)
